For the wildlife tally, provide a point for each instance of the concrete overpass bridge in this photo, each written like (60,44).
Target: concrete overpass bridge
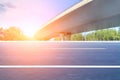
(85,16)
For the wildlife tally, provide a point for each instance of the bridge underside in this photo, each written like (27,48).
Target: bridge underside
(95,15)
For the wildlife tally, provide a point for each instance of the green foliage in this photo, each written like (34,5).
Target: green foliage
(100,35)
(12,33)
(77,37)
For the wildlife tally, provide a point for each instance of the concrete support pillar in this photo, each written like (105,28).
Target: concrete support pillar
(68,36)
(65,36)
(61,36)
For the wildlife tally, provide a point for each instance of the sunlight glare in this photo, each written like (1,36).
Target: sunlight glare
(29,33)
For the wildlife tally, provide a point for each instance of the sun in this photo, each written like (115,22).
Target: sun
(29,33)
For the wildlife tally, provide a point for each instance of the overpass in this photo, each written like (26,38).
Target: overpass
(85,16)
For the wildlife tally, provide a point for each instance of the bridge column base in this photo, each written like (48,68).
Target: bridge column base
(65,36)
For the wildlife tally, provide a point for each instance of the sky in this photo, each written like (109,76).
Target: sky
(30,15)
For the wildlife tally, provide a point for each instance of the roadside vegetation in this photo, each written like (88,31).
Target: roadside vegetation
(112,34)
(99,35)
(12,34)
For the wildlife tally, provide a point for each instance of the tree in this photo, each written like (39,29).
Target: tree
(77,37)
(1,34)
(13,33)
(104,35)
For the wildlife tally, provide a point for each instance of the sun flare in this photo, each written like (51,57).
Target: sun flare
(29,33)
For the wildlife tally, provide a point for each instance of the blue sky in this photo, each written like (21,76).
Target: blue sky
(29,15)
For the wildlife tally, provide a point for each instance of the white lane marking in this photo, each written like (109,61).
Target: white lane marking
(65,41)
(56,66)
(76,48)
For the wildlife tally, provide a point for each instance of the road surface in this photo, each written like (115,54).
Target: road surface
(59,53)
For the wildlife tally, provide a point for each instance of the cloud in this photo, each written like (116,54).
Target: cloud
(2,8)
(1,5)
(9,5)
(5,6)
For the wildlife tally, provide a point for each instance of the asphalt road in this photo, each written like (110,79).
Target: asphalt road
(60,53)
